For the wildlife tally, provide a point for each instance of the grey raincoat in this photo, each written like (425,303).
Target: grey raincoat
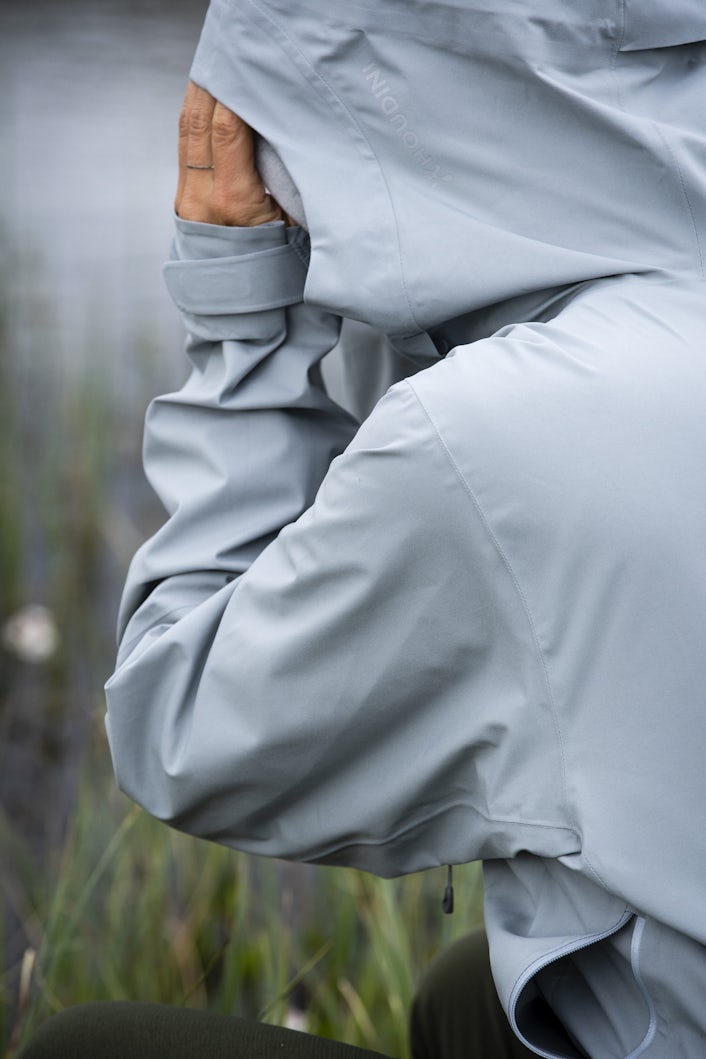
(473,626)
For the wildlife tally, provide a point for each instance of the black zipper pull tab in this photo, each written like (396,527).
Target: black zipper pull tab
(448,900)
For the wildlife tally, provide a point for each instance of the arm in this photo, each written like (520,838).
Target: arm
(235,456)
(240,451)
(303,672)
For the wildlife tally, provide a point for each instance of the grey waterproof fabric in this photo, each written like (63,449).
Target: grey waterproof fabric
(471,627)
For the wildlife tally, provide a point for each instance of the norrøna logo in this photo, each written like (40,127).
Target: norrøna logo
(398,121)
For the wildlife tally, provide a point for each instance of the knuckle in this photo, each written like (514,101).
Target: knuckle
(223,129)
(198,123)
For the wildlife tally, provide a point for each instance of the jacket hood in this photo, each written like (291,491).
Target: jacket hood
(453,155)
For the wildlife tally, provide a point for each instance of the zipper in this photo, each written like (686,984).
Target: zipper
(447,902)
(543,962)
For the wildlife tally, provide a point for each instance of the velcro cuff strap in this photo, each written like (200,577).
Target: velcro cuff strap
(237,327)
(226,286)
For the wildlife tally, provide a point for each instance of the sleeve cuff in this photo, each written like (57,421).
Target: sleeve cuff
(235,282)
(196,241)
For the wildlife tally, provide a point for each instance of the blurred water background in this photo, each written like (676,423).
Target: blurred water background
(96,900)
(89,97)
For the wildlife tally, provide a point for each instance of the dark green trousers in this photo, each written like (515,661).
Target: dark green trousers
(456,1015)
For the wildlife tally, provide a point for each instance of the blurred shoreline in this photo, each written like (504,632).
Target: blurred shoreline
(90,92)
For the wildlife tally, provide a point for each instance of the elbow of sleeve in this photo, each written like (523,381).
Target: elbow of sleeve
(153,699)
(174,795)
(140,770)
(150,746)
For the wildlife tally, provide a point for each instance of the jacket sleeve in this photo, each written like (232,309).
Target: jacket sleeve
(304,664)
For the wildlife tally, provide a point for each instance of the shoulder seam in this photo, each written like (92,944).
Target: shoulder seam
(572,825)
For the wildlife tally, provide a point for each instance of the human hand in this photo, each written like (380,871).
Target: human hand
(218,180)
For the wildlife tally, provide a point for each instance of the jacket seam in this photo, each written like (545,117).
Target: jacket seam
(623,25)
(423,821)
(661,135)
(317,77)
(520,594)
(685,194)
(616,52)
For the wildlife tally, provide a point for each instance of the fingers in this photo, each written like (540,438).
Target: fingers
(201,108)
(228,189)
(239,196)
(194,186)
(190,104)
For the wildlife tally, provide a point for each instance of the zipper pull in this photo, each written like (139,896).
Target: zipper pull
(448,900)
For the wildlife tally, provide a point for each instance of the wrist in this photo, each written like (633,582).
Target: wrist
(198,240)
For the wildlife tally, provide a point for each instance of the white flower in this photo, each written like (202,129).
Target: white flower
(31,633)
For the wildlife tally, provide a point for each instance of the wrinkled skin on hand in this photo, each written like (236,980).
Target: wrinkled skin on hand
(232,192)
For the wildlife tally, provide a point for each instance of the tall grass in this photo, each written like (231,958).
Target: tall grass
(11,535)
(133,910)
(119,906)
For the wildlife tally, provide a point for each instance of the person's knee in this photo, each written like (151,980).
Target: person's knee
(456,1013)
(77,1031)
(459,975)
(448,996)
